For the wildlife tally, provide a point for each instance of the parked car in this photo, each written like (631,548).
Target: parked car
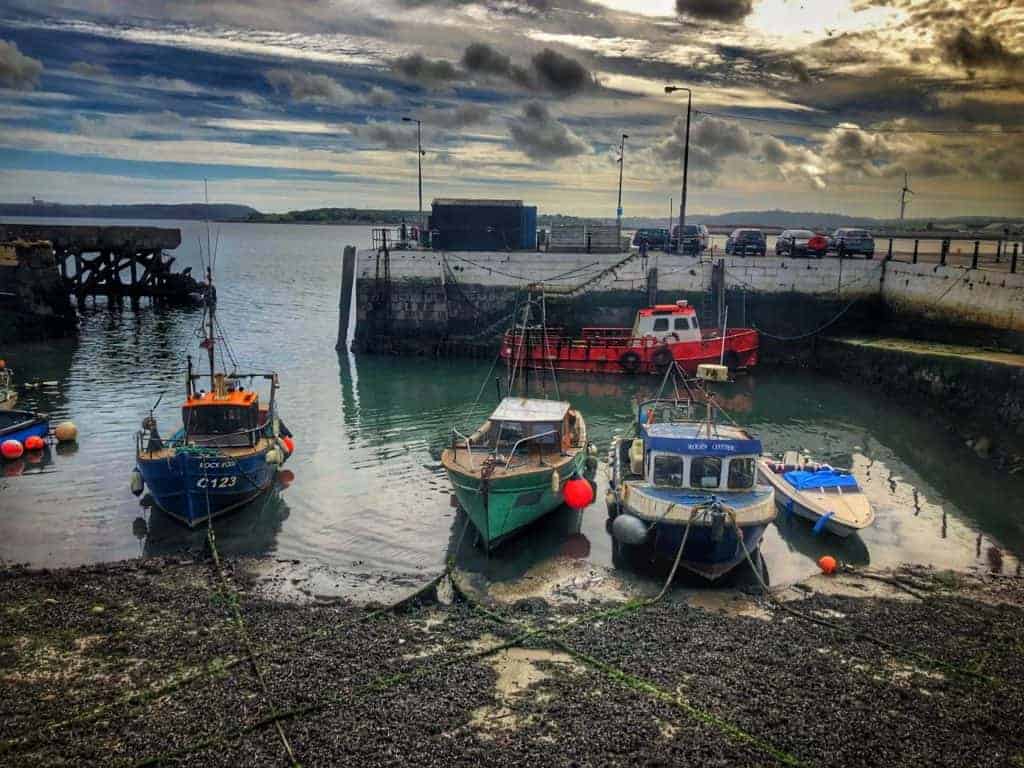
(851,242)
(656,239)
(801,242)
(746,242)
(695,238)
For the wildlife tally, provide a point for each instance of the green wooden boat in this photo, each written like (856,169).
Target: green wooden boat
(512,470)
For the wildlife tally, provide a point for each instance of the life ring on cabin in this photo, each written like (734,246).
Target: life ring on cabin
(630,361)
(662,357)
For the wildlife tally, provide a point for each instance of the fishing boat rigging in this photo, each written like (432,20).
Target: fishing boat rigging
(529,456)
(230,445)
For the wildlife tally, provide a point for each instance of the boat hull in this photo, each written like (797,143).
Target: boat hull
(710,551)
(792,501)
(633,356)
(22,425)
(500,507)
(194,488)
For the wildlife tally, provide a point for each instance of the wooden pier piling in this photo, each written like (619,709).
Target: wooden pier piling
(348,271)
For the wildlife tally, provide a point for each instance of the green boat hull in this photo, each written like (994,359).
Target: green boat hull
(511,503)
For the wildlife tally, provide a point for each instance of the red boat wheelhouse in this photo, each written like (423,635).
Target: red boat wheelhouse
(660,334)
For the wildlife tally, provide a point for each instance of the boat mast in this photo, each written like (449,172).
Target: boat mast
(211,300)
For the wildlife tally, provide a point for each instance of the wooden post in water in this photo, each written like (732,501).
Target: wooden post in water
(1013,259)
(974,257)
(888,255)
(348,271)
(916,243)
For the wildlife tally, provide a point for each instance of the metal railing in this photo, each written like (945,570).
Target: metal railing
(520,441)
(469,447)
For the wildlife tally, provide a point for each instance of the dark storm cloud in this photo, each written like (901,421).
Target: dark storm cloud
(980,51)
(549,70)
(417,67)
(305,86)
(559,73)
(717,10)
(17,70)
(521,7)
(540,136)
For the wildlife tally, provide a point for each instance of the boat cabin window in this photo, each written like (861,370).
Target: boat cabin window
(682,324)
(668,470)
(741,473)
(221,426)
(661,324)
(511,432)
(705,472)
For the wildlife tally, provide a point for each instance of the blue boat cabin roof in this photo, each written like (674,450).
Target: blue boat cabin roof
(692,437)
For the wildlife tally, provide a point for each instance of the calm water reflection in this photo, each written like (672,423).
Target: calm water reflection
(369,496)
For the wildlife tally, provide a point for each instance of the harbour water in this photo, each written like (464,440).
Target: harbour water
(369,502)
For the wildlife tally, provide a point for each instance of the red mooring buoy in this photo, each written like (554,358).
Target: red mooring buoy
(11,450)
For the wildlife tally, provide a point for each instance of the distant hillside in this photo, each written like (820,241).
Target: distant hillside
(338,216)
(828,221)
(199,211)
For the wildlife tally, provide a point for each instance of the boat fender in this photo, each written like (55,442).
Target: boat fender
(578,493)
(274,457)
(592,449)
(630,361)
(556,482)
(717,524)
(821,522)
(629,529)
(636,456)
(136,483)
(34,443)
(289,445)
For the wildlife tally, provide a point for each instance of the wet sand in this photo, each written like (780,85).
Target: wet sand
(142,663)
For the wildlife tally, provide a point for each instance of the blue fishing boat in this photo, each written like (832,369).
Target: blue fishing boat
(21,425)
(229,447)
(687,481)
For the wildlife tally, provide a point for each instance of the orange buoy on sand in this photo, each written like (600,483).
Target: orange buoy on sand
(577,493)
(11,449)
(34,443)
(828,564)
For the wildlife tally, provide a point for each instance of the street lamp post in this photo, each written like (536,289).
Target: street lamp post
(622,162)
(419,162)
(686,160)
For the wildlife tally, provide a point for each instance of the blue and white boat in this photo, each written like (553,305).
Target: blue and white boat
(227,451)
(685,471)
(21,425)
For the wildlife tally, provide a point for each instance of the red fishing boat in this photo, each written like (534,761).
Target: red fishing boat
(660,335)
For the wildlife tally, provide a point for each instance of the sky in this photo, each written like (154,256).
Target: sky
(811,105)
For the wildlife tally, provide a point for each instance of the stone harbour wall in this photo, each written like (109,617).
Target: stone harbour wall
(33,301)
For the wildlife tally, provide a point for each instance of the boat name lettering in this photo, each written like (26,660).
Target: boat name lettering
(705,446)
(217,464)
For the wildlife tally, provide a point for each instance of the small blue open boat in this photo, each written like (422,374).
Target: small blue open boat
(685,472)
(21,425)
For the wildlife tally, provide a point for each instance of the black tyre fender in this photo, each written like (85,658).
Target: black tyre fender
(662,357)
(630,361)
(731,360)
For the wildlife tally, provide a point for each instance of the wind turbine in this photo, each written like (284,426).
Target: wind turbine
(903,195)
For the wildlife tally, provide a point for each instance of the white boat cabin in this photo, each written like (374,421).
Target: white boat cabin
(668,323)
(520,420)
